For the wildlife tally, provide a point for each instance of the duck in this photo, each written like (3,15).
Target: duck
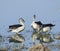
(35,26)
(16,28)
(45,27)
(40,27)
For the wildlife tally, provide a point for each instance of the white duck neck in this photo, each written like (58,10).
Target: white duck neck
(21,23)
(33,19)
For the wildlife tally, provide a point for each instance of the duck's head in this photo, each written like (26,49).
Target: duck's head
(34,17)
(21,20)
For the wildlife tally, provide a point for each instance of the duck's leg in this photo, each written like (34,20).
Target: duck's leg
(40,30)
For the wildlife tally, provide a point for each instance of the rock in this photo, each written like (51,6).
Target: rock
(39,47)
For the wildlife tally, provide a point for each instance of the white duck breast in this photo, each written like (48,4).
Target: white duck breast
(34,25)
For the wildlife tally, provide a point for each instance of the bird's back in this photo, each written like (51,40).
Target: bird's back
(48,25)
(14,26)
(38,23)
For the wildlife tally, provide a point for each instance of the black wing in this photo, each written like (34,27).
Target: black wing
(38,22)
(50,25)
(14,26)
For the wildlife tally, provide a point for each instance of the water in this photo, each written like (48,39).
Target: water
(4,43)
